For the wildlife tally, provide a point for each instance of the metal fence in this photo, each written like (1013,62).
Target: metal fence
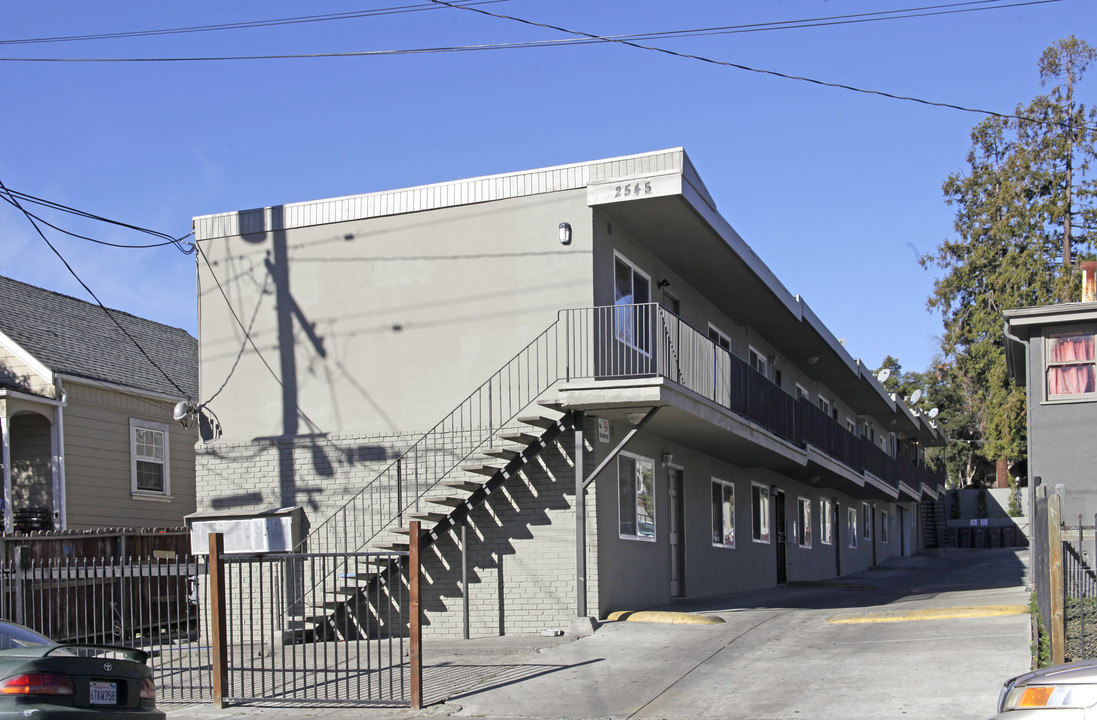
(302,628)
(1079,604)
(153,603)
(317,628)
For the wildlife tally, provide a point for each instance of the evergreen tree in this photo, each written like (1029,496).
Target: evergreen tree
(1025,212)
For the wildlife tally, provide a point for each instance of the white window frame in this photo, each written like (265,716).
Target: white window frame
(851,427)
(721,338)
(884,526)
(803,522)
(637,462)
(627,321)
(825,406)
(851,522)
(136,424)
(802,392)
(868,430)
(826,523)
(757,360)
(866,521)
(720,538)
(759,513)
(1049,364)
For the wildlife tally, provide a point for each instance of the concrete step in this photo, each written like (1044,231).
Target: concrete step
(503,453)
(481,468)
(537,421)
(518,436)
(469,485)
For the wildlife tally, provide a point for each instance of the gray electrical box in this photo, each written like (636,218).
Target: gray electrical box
(265,531)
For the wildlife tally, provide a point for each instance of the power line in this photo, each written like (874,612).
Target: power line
(875,16)
(11,196)
(774,73)
(399,9)
(584,38)
(110,314)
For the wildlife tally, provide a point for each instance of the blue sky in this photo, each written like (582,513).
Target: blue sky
(837,191)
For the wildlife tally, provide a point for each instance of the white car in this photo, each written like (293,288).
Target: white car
(1060,692)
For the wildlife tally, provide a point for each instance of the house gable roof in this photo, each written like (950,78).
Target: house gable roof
(73,337)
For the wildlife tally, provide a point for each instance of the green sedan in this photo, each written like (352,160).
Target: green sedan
(43,679)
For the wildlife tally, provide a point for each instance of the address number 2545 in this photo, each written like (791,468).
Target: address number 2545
(632,189)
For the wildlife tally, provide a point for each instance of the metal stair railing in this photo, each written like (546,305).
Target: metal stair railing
(399,489)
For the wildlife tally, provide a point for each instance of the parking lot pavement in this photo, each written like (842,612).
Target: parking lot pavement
(777,655)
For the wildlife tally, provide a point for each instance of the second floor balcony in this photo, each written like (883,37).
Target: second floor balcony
(623,359)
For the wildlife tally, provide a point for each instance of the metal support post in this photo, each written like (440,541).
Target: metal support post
(415,619)
(465,576)
(580,522)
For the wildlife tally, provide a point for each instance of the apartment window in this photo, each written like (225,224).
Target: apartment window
(801,392)
(149,458)
(851,427)
(803,523)
(824,405)
(883,526)
(867,431)
(826,510)
(866,521)
(718,337)
(723,513)
(1070,365)
(631,287)
(759,502)
(758,361)
(636,493)
(851,526)
(777,377)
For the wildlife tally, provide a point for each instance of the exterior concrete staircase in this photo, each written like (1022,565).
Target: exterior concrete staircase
(357,609)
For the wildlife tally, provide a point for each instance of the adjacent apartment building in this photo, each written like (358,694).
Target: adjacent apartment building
(583,371)
(1050,351)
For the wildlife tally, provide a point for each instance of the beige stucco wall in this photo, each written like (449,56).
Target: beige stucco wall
(407,313)
(97,461)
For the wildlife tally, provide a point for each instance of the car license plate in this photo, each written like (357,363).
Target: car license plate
(103,693)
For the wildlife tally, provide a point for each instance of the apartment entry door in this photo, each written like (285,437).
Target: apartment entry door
(677,524)
(782,538)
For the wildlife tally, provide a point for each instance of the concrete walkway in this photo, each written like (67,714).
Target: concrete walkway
(952,638)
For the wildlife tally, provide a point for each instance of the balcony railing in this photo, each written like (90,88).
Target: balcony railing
(629,341)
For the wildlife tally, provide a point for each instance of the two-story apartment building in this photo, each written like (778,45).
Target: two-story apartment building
(582,370)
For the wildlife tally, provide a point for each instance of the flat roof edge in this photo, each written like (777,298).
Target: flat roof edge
(435,196)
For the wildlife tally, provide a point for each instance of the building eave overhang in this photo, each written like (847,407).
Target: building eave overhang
(27,358)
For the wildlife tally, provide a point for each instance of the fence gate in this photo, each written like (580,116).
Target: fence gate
(316,628)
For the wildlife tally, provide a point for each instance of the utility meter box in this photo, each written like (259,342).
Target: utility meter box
(265,531)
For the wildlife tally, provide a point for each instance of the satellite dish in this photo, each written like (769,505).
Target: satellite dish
(883,375)
(915,396)
(182,409)
(933,413)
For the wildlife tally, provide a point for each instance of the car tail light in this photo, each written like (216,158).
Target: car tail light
(37,683)
(148,689)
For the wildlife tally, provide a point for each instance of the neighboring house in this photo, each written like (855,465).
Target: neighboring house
(86,416)
(1050,351)
(456,351)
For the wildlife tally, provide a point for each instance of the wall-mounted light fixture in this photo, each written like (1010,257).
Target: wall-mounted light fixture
(663,283)
(565,233)
(668,458)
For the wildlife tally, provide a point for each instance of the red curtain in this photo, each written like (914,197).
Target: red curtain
(1071,379)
